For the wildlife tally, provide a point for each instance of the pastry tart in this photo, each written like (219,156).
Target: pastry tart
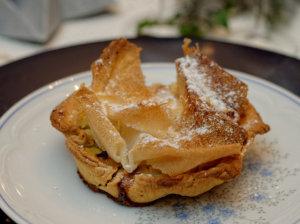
(139,143)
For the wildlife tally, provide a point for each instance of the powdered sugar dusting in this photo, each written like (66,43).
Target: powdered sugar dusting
(161,98)
(99,61)
(191,133)
(175,138)
(120,107)
(199,83)
(147,139)
(202,130)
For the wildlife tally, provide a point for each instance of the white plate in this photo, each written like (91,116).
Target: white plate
(39,183)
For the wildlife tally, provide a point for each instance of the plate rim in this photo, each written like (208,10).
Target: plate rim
(10,211)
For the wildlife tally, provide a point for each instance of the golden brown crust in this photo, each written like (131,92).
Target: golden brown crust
(67,117)
(252,122)
(158,140)
(222,82)
(224,129)
(122,57)
(147,184)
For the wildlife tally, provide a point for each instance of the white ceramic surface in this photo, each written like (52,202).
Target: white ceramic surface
(39,183)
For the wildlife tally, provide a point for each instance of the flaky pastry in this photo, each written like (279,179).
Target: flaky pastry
(139,143)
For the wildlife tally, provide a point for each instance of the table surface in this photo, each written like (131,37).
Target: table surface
(19,78)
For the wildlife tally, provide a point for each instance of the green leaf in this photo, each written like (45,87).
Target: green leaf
(189,30)
(220,18)
(144,24)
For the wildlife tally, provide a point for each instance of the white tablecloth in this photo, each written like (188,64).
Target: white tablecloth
(122,23)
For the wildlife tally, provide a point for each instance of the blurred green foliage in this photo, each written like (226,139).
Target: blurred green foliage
(197,17)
